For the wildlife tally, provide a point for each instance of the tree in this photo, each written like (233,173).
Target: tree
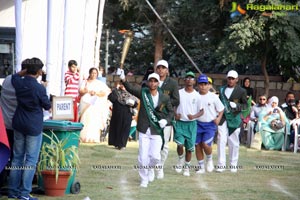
(272,38)
(198,25)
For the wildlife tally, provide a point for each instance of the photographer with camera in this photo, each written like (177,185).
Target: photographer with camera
(291,112)
(289,107)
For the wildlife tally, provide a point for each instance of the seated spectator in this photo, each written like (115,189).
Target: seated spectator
(295,122)
(289,106)
(272,122)
(256,110)
(298,107)
(246,86)
(291,112)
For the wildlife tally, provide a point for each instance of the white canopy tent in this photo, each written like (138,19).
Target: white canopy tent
(55,31)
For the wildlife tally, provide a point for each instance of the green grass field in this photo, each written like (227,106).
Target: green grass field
(121,181)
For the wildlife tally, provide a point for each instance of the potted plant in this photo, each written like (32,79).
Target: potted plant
(58,161)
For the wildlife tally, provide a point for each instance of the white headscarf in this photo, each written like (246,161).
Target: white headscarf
(273,99)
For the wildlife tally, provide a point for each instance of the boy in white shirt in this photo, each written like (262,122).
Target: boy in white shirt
(188,110)
(207,124)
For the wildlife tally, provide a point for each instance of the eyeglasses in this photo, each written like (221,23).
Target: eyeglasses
(190,78)
(262,99)
(230,78)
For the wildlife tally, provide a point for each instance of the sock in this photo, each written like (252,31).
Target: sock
(187,164)
(209,157)
(201,164)
(180,157)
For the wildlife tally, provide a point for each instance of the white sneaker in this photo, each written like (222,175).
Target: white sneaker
(160,174)
(220,169)
(233,169)
(200,170)
(143,184)
(186,171)
(151,175)
(178,167)
(210,165)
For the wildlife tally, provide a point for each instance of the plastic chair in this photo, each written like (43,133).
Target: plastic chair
(297,135)
(251,131)
(250,134)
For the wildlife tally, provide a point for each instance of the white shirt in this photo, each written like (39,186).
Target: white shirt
(228,92)
(212,105)
(190,103)
(161,83)
(155,100)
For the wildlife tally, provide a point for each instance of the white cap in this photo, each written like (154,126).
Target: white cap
(153,75)
(232,74)
(163,63)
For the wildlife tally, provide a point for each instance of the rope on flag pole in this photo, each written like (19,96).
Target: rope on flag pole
(173,36)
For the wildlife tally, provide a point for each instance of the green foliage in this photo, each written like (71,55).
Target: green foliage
(57,155)
(196,24)
(255,35)
(211,38)
(248,33)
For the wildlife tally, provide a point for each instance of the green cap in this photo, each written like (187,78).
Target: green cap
(190,74)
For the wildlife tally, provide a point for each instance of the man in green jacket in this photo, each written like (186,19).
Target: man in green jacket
(155,113)
(169,87)
(234,99)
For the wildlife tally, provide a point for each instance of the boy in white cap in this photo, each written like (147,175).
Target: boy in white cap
(189,109)
(234,99)
(207,124)
(169,87)
(155,113)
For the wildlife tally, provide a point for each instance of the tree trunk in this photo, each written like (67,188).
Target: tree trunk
(159,43)
(158,33)
(265,73)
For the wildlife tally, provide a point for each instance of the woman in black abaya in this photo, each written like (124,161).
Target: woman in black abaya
(122,112)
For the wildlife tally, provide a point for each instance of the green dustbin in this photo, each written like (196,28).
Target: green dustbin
(63,129)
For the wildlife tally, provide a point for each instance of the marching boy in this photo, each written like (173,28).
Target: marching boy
(207,124)
(155,113)
(189,109)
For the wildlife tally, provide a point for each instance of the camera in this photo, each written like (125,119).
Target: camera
(275,110)
(44,76)
(291,102)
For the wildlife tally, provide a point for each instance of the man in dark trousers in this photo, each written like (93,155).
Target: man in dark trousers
(234,99)
(155,113)
(8,104)
(28,126)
